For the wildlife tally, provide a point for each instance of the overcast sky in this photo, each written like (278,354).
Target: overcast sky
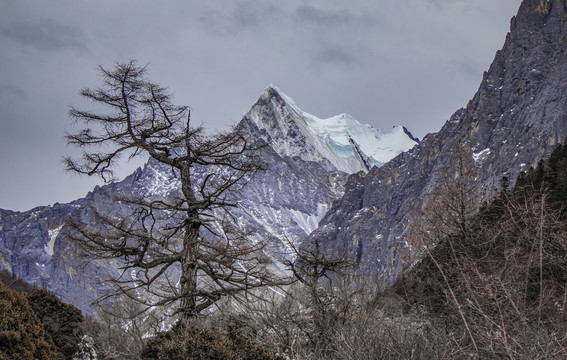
(385,62)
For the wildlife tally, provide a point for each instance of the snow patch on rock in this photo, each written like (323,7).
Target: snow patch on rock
(52,236)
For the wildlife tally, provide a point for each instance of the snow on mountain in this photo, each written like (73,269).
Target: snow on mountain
(340,131)
(343,141)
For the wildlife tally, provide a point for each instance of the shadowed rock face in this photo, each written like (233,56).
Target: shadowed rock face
(517,116)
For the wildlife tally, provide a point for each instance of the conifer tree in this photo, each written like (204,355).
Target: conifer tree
(188,231)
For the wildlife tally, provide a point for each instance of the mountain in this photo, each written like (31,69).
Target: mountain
(518,115)
(307,160)
(341,141)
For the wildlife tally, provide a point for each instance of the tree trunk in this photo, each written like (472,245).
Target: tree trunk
(188,281)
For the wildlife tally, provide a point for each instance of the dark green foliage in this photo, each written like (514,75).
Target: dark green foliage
(62,322)
(21,334)
(200,343)
(550,174)
(14,283)
(36,324)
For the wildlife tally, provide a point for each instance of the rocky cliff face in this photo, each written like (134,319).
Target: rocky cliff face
(517,116)
(283,203)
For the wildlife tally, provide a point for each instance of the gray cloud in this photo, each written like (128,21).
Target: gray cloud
(318,16)
(312,14)
(14,91)
(468,67)
(442,3)
(252,13)
(244,15)
(335,54)
(47,35)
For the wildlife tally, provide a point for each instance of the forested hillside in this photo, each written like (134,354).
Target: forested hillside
(35,324)
(497,281)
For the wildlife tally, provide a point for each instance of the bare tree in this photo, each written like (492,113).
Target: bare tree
(449,209)
(118,332)
(189,231)
(446,219)
(325,278)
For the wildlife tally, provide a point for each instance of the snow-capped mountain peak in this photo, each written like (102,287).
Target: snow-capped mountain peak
(340,140)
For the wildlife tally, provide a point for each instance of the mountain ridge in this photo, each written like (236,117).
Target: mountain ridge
(339,139)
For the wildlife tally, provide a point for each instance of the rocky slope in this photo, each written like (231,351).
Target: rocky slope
(517,116)
(305,174)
